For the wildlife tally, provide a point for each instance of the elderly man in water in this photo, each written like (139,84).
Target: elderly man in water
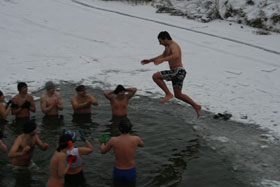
(51,101)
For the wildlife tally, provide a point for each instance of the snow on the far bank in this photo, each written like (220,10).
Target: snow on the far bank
(257,13)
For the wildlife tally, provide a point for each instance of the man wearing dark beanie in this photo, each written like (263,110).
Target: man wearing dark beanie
(24,145)
(119,101)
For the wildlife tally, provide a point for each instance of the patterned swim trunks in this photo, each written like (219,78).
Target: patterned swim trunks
(176,75)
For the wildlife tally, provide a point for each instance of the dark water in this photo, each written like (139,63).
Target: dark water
(179,150)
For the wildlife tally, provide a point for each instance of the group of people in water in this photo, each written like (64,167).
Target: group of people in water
(65,165)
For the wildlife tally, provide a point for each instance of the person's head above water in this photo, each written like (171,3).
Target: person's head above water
(21,85)
(71,133)
(119,89)
(29,127)
(164,35)
(80,88)
(125,126)
(49,85)
(64,141)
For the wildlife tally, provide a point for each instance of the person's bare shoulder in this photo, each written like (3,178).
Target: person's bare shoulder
(29,96)
(43,96)
(15,98)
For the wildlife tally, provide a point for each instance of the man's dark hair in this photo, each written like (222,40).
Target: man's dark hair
(21,85)
(119,89)
(29,127)
(80,88)
(125,126)
(164,35)
(1,93)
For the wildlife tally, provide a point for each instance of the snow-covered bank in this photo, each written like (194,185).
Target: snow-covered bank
(65,41)
(263,14)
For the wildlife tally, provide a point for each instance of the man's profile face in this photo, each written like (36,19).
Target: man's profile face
(24,90)
(51,91)
(160,41)
(82,93)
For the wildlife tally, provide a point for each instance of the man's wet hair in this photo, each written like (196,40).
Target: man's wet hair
(29,127)
(80,88)
(125,126)
(119,89)
(21,85)
(164,35)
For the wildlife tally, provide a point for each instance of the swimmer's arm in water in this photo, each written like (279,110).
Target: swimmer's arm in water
(92,100)
(13,153)
(131,92)
(86,150)
(43,103)
(108,94)
(32,106)
(3,147)
(43,146)
(140,142)
(107,147)
(4,112)
(77,105)
(59,102)
(15,108)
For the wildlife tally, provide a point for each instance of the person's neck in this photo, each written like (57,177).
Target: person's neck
(127,134)
(81,96)
(26,135)
(22,95)
(169,42)
(50,94)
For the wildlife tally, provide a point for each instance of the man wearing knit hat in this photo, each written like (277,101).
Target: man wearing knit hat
(23,102)
(24,145)
(51,101)
(83,101)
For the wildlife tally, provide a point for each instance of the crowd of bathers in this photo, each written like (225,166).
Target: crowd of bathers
(23,103)
(66,162)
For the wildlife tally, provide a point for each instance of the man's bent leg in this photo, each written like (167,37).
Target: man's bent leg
(187,99)
(159,81)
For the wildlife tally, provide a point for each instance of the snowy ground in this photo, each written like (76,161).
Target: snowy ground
(101,45)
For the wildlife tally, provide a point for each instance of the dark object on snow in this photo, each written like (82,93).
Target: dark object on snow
(224,116)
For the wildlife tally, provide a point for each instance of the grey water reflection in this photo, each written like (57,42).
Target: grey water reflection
(174,154)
